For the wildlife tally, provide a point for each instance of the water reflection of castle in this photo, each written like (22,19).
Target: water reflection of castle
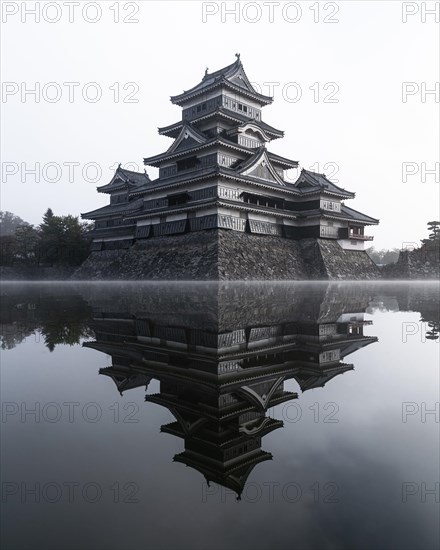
(222,354)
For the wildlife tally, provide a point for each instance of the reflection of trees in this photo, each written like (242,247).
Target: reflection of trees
(61,317)
(434,332)
(12,335)
(429,314)
(420,297)
(64,333)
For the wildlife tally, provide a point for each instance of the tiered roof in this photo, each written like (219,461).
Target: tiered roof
(123,179)
(313,181)
(173,129)
(231,77)
(114,209)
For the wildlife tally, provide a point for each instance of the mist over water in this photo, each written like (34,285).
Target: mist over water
(220,415)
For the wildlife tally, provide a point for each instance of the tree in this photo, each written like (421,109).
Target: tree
(383,256)
(63,240)
(8,244)
(434,228)
(390,256)
(27,244)
(9,223)
(433,239)
(50,236)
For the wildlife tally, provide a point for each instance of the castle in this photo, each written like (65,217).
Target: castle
(221,194)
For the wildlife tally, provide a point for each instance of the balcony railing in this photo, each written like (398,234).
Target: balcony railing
(346,233)
(359,237)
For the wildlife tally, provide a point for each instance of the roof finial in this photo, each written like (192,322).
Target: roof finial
(206,71)
(237,55)
(119,165)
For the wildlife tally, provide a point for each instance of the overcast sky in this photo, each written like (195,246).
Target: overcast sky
(352,96)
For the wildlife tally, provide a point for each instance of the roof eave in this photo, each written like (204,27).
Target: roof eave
(181,99)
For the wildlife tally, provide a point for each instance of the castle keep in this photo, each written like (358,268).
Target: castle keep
(221,192)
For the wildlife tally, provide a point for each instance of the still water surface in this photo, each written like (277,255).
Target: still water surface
(220,416)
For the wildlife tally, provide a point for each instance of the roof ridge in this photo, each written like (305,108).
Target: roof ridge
(314,173)
(225,69)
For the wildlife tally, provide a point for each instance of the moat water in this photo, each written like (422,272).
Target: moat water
(220,416)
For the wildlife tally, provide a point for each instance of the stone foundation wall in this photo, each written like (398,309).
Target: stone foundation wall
(192,256)
(219,254)
(346,264)
(244,256)
(415,264)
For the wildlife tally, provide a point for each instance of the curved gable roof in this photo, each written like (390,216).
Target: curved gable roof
(122,179)
(309,180)
(232,76)
(260,159)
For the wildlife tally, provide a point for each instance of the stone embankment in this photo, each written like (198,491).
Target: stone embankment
(420,263)
(228,255)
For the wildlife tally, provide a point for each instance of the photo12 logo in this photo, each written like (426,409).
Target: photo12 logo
(69,92)
(423,492)
(291,492)
(70,12)
(320,413)
(53,492)
(420,412)
(421,12)
(420,171)
(293,92)
(69,412)
(270,12)
(421,91)
(66,171)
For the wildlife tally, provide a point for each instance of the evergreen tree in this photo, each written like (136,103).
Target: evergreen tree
(434,228)
(63,240)
(433,240)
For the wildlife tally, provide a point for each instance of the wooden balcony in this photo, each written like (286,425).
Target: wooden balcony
(359,237)
(346,233)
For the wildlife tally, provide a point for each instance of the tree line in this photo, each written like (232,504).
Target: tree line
(57,241)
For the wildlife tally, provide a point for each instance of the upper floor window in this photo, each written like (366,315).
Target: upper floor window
(330,205)
(241,107)
(186,164)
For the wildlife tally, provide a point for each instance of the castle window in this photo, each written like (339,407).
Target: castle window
(186,164)
(178,198)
